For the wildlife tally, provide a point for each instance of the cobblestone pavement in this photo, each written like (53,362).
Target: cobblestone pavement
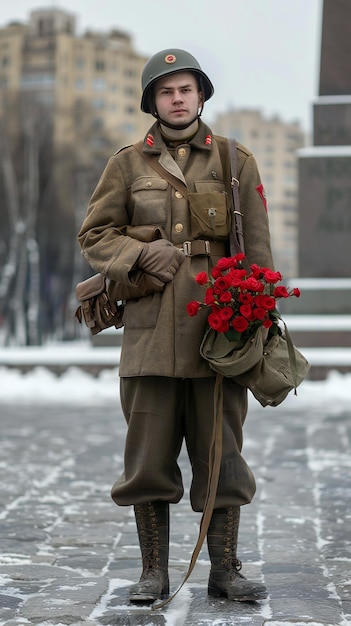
(68,554)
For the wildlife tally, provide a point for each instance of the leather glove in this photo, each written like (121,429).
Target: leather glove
(161,259)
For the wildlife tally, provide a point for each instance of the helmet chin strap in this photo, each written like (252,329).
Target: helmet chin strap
(178,126)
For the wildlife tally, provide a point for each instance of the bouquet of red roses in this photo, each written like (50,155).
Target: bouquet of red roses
(240,300)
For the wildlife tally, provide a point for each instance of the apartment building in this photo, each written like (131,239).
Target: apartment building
(89,86)
(274,144)
(89,83)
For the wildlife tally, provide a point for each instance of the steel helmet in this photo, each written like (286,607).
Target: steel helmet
(169,62)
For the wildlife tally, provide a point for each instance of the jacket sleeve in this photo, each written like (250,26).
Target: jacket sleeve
(103,246)
(254,211)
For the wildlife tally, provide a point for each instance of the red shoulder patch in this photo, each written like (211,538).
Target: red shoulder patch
(262,194)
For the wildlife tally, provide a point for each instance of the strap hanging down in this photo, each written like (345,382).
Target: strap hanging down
(214,462)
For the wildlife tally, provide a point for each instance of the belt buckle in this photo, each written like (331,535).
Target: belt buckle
(187,248)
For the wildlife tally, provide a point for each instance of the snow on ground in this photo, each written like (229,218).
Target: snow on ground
(74,386)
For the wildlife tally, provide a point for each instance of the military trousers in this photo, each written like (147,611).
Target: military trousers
(161,414)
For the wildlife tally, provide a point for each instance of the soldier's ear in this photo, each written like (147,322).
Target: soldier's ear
(201,99)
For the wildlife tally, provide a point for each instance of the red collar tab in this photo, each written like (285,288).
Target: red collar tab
(150,140)
(208,140)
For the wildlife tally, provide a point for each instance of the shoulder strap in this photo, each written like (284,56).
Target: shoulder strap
(237,235)
(172,180)
(229,157)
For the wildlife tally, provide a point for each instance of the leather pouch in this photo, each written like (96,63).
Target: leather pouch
(209,215)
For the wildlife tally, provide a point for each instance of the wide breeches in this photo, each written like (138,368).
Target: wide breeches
(163,412)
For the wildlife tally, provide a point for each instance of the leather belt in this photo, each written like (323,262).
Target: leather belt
(202,246)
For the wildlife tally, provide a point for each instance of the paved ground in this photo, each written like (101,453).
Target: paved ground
(68,554)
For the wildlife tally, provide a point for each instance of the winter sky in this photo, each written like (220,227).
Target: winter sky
(260,54)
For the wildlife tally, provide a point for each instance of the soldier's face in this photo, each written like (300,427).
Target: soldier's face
(177,98)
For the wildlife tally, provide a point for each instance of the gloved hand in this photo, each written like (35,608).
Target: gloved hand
(161,259)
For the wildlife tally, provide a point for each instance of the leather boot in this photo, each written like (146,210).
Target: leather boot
(225,579)
(152,520)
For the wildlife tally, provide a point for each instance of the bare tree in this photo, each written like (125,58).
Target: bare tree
(44,191)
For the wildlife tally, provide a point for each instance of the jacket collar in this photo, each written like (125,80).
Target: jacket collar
(154,144)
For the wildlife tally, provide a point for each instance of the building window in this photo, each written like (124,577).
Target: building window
(5,62)
(98,123)
(98,103)
(45,26)
(130,91)
(80,63)
(100,66)
(128,129)
(35,81)
(79,84)
(129,73)
(99,84)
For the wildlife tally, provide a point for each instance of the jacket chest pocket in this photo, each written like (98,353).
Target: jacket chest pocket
(209,211)
(149,197)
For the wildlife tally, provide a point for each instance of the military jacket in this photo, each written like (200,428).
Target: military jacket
(159,337)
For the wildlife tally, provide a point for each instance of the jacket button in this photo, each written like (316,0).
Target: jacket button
(181,152)
(148,183)
(178,194)
(178,227)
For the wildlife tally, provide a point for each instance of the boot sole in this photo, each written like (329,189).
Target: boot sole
(144,599)
(219,593)
(148,597)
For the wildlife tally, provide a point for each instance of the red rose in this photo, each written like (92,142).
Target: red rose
(246,311)
(272,277)
(192,308)
(209,299)
(226,263)
(267,302)
(217,323)
(225,296)
(259,313)
(245,298)
(239,257)
(296,292)
(240,324)
(201,278)
(258,299)
(280,292)
(226,313)
(221,284)
(216,272)
(256,270)
(267,323)
(235,277)
(253,284)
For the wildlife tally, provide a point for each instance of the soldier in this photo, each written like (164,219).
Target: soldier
(166,387)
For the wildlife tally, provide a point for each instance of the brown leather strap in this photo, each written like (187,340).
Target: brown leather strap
(214,465)
(237,235)
(198,247)
(153,162)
